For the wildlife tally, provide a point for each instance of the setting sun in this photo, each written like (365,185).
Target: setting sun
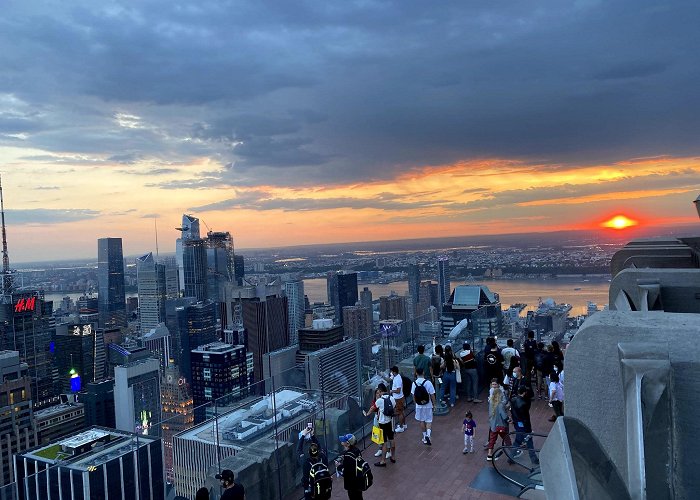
(619,222)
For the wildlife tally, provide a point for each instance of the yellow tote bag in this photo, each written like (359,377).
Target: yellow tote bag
(377,435)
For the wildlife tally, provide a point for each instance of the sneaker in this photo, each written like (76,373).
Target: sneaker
(465,451)
(427,441)
(379,453)
(399,429)
(516,454)
(477,400)
(423,441)
(388,454)
(491,459)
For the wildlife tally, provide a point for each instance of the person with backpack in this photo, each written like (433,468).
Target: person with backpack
(493,360)
(357,474)
(397,392)
(423,394)
(421,360)
(316,479)
(386,405)
(511,357)
(450,374)
(375,423)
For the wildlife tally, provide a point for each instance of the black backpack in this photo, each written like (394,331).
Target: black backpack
(530,348)
(540,360)
(363,473)
(436,365)
(320,481)
(388,410)
(406,385)
(420,395)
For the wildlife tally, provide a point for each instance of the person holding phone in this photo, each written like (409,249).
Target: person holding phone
(306,439)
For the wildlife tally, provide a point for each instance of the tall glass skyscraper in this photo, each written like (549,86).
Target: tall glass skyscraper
(195,268)
(294,290)
(444,286)
(110,280)
(190,231)
(151,281)
(342,292)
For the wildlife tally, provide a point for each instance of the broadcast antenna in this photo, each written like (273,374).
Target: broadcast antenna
(155,223)
(6,277)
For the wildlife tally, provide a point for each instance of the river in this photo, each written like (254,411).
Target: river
(571,291)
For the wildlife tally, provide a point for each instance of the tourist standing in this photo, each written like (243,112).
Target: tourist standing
(468,425)
(316,478)
(493,360)
(397,394)
(421,360)
(423,394)
(528,359)
(375,422)
(498,419)
(511,357)
(556,396)
(437,366)
(520,410)
(232,490)
(346,464)
(540,367)
(385,404)
(450,374)
(470,376)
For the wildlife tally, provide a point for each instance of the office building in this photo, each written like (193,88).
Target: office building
(56,421)
(342,292)
(444,286)
(123,354)
(414,284)
(220,263)
(294,290)
(151,281)
(265,320)
(366,298)
(158,343)
(218,370)
(79,355)
(239,269)
(110,279)
(358,324)
(427,297)
(196,326)
(177,412)
(27,326)
(195,268)
(393,307)
(322,334)
(190,231)
(95,463)
(98,398)
(335,369)
(17,424)
(550,318)
(137,397)
(479,307)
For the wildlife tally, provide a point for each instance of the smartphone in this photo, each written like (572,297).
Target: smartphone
(439,380)
(310,425)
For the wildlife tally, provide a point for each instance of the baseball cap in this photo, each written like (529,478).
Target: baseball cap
(226,474)
(345,437)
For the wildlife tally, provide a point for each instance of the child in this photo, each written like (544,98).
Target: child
(468,425)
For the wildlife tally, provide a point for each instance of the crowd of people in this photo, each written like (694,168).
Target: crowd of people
(516,378)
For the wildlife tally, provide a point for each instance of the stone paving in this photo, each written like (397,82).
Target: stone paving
(441,470)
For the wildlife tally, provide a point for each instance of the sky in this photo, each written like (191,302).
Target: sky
(301,122)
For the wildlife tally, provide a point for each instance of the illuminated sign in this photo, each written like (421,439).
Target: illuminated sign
(25,304)
(82,330)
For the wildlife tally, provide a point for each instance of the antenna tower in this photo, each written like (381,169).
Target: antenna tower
(6,277)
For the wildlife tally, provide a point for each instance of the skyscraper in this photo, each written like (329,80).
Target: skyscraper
(366,298)
(358,324)
(79,355)
(294,290)
(444,287)
(150,277)
(17,422)
(190,230)
(342,290)
(265,320)
(195,268)
(220,263)
(414,284)
(137,397)
(110,280)
(26,326)
(196,326)
(393,307)
(218,370)
(178,411)
(239,269)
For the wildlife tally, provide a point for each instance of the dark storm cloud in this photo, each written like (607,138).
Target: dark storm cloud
(39,216)
(297,93)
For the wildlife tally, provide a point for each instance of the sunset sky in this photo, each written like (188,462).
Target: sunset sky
(300,122)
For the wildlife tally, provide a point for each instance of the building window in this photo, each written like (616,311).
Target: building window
(207,373)
(207,393)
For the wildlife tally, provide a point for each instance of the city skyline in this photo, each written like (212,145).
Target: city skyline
(328,123)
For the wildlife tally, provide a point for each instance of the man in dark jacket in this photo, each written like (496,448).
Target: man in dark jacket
(520,410)
(346,464)
(493,361)
(316,455)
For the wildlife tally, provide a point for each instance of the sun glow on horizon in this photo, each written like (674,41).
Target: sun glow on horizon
(620,222)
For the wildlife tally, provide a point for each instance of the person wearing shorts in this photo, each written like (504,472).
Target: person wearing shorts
(386,424)
(424,412)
